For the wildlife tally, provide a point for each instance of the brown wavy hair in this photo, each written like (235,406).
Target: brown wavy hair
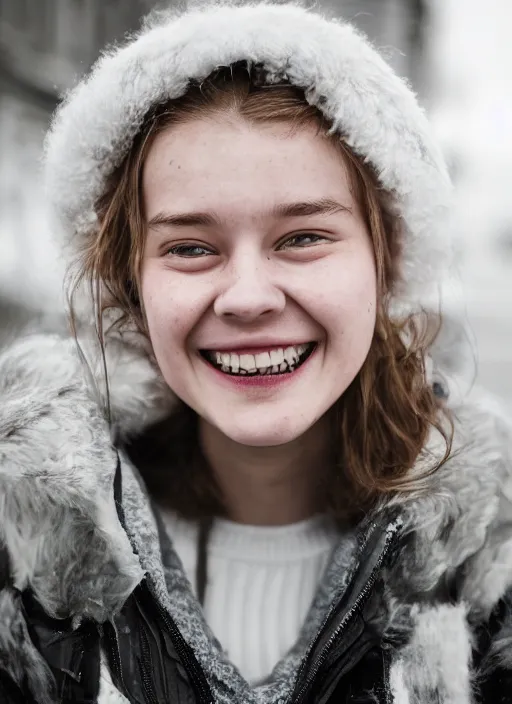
(382,421)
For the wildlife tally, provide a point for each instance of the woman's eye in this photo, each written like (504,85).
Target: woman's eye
(191,251)
(303,240)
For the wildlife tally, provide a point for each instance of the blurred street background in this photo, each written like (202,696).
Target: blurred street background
(457,54)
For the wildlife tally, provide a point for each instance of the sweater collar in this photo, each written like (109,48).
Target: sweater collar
(262,544)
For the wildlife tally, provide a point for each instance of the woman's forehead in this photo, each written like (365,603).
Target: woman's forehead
(204,165)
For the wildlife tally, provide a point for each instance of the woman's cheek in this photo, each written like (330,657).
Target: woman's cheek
(174,307)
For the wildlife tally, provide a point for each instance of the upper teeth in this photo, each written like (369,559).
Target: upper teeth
(278,359)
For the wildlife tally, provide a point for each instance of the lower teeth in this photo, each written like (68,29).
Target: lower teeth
(258,372)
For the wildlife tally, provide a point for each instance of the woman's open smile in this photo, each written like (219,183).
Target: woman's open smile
(263,366)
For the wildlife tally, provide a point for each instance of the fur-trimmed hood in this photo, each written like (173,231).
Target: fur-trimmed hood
(57,466)
(341,73)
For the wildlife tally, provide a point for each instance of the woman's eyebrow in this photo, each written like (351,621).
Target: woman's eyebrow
(322,206)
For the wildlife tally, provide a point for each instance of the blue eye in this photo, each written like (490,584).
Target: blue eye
(190,251)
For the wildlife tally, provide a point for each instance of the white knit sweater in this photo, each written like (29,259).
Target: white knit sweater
(261,582)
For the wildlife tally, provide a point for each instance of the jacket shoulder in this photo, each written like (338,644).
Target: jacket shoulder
(482,486)
(57,463)
(458,523)
(66,563)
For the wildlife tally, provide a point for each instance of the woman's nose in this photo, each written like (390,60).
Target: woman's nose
(249,294)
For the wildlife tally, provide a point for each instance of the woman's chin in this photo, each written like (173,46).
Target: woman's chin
(265,434)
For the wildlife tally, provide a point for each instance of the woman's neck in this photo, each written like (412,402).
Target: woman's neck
(270,485)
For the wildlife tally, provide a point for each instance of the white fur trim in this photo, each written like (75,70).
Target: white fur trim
(397,684)
(434,668)
(56,471)
(342,74)
(109,694)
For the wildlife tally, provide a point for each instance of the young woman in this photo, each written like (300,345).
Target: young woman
(273,497)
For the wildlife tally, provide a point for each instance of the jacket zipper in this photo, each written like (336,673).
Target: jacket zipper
(184,651)
(358,603)
(188,659)
(114,655)
(147,681)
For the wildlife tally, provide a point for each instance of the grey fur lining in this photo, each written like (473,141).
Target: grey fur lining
(174,592)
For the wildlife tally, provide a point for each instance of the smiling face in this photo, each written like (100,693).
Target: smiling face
(258,277)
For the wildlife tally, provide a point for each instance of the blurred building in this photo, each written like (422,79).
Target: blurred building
(399,28)
(45,44)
